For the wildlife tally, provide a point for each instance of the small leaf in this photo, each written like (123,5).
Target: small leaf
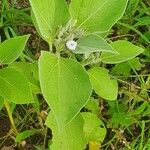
(125,69)
(71,137)
(92,43)
(114,106)
(126,51)
(122,118)
(121,69)
(25,134)
(102,84)
(93,106)
(97,15)
(12,48)
(94,128)
(64,83)
(49,15)
(14,86)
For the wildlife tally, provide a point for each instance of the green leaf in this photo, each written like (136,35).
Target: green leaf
(135,62)
(12,48)
(126,52)
(49,15)
(121,69)
(14,86)
(121,118)
(71,137)
(97,15)
(12,107)
(30,70)
(125,69)
(25,134)
(36,103)
(1,102)
(115,107)
(94,128)
(64,83)
(102,84)
(92,43)
(93,106)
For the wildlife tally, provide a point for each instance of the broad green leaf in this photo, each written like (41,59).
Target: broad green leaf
(135,62)
(94,128)
(25,134)
(102,84)
(71,137)
(125,49)
(48,15)
(97,15)
(64,83)
(1,102)
(92,43)
(14,86)
(12,48)
(30,70)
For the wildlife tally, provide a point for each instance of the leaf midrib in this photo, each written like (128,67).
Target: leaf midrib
(12,85)
(58,85)
(38,11)
(96,48)
(5,58)
(93,14)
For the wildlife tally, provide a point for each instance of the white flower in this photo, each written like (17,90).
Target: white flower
(71,45)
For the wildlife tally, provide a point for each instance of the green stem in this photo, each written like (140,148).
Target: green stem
(49,41)
(7,106)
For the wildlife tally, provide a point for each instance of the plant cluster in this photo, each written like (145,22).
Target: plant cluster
(89,88)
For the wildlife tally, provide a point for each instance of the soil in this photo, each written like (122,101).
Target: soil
(4,130)
(8,143)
